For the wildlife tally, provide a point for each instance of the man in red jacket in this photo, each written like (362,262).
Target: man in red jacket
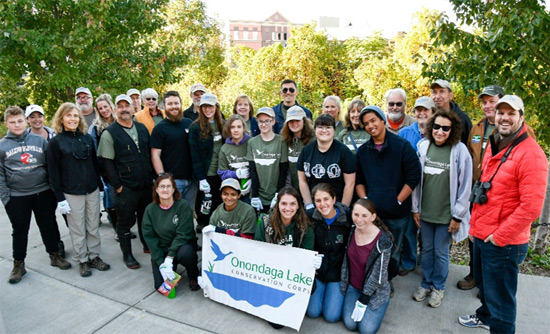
(507,199)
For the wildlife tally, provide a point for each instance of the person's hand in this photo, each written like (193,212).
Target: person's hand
(454,226)
(317,261)
(119,190)
(243,173)
(247,186)
(166,269)
(256,203)
(204,186)
(63,207)
(208,229)
(201,282)
(416,218)
(274,201)
(491,240)
(471,237)
(358,311)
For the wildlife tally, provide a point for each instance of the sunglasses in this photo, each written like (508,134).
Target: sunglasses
(445,128)
(151,98)
(399,104)
(285,90)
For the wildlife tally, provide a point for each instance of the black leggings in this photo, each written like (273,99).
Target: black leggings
(186,256)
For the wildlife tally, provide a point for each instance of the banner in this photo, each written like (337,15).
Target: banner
(269,281)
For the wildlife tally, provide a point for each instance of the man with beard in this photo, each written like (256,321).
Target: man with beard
(397,103)
(125,157)
(85,102)
(197,90)
(170,147)
(442,94)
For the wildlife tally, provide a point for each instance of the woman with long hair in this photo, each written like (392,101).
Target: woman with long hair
(441,201)
(168,231)
(205,142)
(243,107)
(354,135)
(296,133)
(73,169)
(364,279)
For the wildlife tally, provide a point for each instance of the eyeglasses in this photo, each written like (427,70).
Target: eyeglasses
(165,186)
(324,128)
(399,104)
(83,98)
(285,90)
(445,128)
(151,98)
(266,122)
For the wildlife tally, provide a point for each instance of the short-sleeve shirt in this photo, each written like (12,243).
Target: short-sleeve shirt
(241,219)
(173,139)
(436,198)
(360,136)
(106,148)
(327,167)
(233,157)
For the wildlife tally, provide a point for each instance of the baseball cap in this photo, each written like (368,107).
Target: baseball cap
(513,101)
(133,91)
(442,83)
(231,183)
(210,99)
(197,87)
(33,108)
(376,109)
(123,97)
(295,113)
(265,110)
(424,101)
(83,90)
(492,90)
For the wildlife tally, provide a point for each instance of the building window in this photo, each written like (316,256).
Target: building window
(285,36)
(279,36)
(273,36)
(245,35)
(255,35)
(235,35)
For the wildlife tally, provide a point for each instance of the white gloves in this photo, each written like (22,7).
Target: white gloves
(166,269)
(274,201)
(245,189)
(204,186)
(317,261)
(208,228)
(358,311)
(243,173)
(201,282)
(63,207)
(256,203)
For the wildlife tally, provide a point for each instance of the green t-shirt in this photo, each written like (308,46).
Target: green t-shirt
(360,136)
(288,239)
(338,128)
(267,155)
(488,130)
(106,147)
(436,198)
(293,152)
(241,219)
(213,168)
(157,119)
(233,157)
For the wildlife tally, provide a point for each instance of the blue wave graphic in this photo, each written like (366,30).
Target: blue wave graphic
(253,293)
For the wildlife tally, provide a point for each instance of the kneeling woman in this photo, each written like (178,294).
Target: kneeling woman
(365,270)
(168,231)
(331,225)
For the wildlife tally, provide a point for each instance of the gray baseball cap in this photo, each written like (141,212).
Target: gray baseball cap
(265,110)
(133,91)
(123,97)
(442,83)
(83,90)
(513,101)
(424,101)
(33,108)
(231,183)
(210,99)
(198,87)
(295,113)
(492,90)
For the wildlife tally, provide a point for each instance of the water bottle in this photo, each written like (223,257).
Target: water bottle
(243,181)
(206,204)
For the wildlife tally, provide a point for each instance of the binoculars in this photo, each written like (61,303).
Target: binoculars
(479,192)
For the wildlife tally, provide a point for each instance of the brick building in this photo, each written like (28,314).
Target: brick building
(257,34)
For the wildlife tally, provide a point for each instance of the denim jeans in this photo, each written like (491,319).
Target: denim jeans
(371,320)
(397,228)
(188,190)
(408,252)
(496,275)
(326,300)
(435,254)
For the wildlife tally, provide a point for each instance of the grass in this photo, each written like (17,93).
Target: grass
(539,260)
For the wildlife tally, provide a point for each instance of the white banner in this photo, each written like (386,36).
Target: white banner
(269,281)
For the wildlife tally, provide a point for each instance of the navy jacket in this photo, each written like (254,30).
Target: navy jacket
(280,118)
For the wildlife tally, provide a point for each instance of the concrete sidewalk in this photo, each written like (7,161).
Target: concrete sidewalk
(49,300)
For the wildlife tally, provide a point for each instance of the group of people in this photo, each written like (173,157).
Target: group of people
(355,191)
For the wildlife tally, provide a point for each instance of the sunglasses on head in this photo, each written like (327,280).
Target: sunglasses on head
(285,90)
(445,128)
(151,98)
(399,104)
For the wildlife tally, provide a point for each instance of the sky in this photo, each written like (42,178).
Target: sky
(365,16)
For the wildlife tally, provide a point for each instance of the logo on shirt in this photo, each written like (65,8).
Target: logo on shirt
(27,158)
(175,220)
(334,171)
(318,171)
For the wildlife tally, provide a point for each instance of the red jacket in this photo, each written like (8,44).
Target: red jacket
(517,194)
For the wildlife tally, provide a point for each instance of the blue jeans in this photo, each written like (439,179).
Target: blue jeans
(327,300)
(435,254)
(397,228)
(496,275)
(408,252)
(188,190)
(371,320)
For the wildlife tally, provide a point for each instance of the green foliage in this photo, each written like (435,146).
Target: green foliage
(539,260)
(508,46)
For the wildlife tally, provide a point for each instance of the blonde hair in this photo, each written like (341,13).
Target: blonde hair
(100,122)
(64,109)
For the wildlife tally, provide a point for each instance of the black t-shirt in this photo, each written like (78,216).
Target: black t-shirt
(173,139)
(328,167)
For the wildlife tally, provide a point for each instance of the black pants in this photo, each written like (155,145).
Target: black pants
(186,256)
(130,205)
(19,210)
(215,183)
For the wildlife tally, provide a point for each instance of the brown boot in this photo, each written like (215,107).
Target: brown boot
(466,283)
(17,271)
(57,261)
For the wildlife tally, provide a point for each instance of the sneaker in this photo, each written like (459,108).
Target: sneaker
(132,235)
(404,271)
(57,261)
(17,272)
(466,283)
(472,321)
(85,269)
(436,297)
(421,293)
(194,286)
(116,237)
(98,264)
